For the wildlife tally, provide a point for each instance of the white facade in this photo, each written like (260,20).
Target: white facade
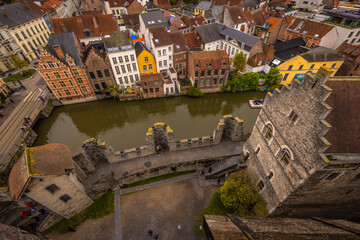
(170,83)
(143,2)
(231,48)
(125,68)
(163,57)
(115,11)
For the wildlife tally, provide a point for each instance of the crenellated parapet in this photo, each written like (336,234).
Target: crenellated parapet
(160,137)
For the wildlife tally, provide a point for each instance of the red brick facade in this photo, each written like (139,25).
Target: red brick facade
(68,82)
(152,85)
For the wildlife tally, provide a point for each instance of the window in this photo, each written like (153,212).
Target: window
(123,69)
(107,74)
(57,75)
(37,29)
(134,66)
(53,188)
(62,84)
(103,84)
(18,37)
(126,58)
(159,53)
(301,67)
(65,198)
(87,33)
(305,2)
(117,69)
(121,60)
(136,77)
(209,72)
(32,30)
(202,73)
(157,90)
(293,116)
(126,79)
(28,32)
(58,92)
(257,150)
(47,76)
(160,63)
(120,80)
(132,57)
(332,176)
(51,65)
(270,175)
(333,66)
(92,75)
(71,84)
(42,39)
(67,92)
(164,51)
(131,78)
(114,60)
(35,43)
(268,132)
(214,83)
(151,90)
(290,67)
(284,156)
(146,59)
(83,88)
(79,80)
(216,72)
(128,67)
(99,73)
(53,85)
(285,77)
(75,71)
(97,86)
(95,63)
(22,33)
(312,66)
(165,63)
(222,72)
(169,49)
(350,34)
(260,185)
(144,68)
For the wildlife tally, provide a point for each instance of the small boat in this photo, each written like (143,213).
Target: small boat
(256,103)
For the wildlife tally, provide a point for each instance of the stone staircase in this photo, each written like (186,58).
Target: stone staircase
(222,167)
(109,184)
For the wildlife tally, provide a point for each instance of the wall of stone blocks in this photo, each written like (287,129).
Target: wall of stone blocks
(69,185)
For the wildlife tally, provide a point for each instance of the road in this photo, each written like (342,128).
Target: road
(10,129)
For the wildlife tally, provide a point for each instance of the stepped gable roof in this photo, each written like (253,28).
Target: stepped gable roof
(151,77)
(344,117)
(98,46)
(309,28)
(216,58)
(49,159)
(154,18)
(216,31)
(68,43)
(139,48)
(98,24)
(321,54)
(160,36)
(204,5)
(16,14)
(178,40)
(191,40)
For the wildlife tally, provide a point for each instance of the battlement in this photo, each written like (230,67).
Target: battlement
(161,137)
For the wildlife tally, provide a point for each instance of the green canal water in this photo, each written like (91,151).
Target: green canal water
(124,124)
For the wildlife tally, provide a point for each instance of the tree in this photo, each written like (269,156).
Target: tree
(251,80)
(194,92)
(114,91)
(238,195)
(273,78)
(247,81)
(239,62)
(18,63)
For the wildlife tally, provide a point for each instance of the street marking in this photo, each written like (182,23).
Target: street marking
(27,96)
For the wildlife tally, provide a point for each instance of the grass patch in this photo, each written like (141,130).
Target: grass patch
(216,207)
(101,207)
(158,178)
(18,76)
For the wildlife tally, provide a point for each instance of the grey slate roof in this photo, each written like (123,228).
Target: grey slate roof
(17,14)
(215,31)
(118,41)
(154,18)
(68,45)
(204,5)
(139,48)
(322,54)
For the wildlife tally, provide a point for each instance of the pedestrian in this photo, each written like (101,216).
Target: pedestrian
(70,229)
(23,87)
(26,125)
(24,214)
(150,232)
(26,120)
(14,83)
(42,99)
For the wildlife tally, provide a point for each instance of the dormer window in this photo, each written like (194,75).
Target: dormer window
(87,33)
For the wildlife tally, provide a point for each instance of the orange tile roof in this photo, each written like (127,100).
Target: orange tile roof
(214,57)
(97,24)
(310,28)
(191,39)
(18,178)
(177,22)
(50,5)
(151,77)
(274,22)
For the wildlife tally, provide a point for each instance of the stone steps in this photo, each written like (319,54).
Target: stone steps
(222,167)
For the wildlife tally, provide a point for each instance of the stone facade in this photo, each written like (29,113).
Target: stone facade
(99,71)
(286,152)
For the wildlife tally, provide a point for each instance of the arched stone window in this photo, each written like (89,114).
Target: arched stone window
(285,155)
(269,131)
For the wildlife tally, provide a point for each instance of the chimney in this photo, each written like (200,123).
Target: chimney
(58,51)
(4,12)
(94,21)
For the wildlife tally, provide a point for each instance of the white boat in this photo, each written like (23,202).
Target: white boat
(256,103)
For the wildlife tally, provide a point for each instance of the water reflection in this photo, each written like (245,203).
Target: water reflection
(123,124)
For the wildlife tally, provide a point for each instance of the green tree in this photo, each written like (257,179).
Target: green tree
(273,78)
(194,92)
(239,62)
(251,80)
(173,2)
(247,81)
(238,195)
(114,91)
(18,63)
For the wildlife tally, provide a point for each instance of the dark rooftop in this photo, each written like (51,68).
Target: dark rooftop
(320,54)
(16,14)
(154,18)
(286,50)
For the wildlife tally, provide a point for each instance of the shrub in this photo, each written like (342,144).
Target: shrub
(194,92)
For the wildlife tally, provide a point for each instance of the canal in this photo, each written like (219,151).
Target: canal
(124,124)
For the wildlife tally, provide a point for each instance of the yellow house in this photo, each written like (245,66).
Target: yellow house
(295,68)
(202,6)
(145,59)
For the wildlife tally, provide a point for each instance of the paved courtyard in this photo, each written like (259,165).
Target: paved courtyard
(171,211)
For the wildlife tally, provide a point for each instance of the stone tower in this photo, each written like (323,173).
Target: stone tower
(287,150)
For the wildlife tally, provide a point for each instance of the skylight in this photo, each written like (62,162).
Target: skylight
(157,40)
(177,47)
(152,22)
(316,35)
(159,20)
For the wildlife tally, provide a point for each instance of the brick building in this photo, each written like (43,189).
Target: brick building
(208,70)
(49,176)
(152,85)
(351,54)
(305,153)
(63,70)
(180,53)
(98,67)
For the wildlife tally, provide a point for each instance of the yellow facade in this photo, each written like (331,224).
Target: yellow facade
(299,65)
(197,12)
(146,62)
